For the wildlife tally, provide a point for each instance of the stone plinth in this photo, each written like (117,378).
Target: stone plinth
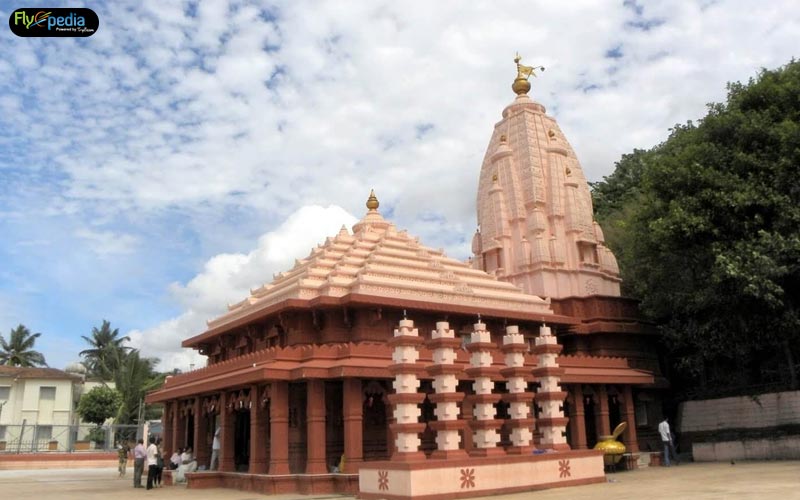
(479,476)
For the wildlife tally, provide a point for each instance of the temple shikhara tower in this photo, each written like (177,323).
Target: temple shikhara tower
(382,367)
(535,211)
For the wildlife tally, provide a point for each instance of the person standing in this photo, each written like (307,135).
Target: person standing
(123,452)
(139,456)
(215,446)
(152,463)
(159,464)
(667,441)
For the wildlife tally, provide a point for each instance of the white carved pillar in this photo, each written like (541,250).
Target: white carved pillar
(485,425)
(549,396)
(406,398)
(520,424)
(443,370)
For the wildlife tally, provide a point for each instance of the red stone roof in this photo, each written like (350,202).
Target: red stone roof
(34,372)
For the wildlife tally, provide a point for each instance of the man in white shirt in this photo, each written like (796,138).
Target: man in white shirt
(666,439)
(215,446)
(152,462)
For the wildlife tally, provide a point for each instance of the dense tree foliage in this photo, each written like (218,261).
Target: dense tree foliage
(707,230)
(99,404)
(18,350)
(105,352)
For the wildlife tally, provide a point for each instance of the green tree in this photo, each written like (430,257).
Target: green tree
(709,234)
(134,378)
(99,404)
(18,350)
(106,346)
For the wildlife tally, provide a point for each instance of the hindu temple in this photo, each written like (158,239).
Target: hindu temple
(382,367)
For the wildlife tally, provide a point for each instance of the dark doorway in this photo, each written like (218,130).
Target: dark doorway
(298,450)
(374,424)
(241,440)
(189,431)
(590,417)
(334,423)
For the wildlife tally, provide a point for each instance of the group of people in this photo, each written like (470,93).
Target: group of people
(182,461)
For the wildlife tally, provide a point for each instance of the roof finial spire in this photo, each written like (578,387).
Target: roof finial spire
(372,201)
(521,84)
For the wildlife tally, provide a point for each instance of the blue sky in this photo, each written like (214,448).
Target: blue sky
(155,171)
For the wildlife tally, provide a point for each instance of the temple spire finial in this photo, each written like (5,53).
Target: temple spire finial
(521,84)
(372,201)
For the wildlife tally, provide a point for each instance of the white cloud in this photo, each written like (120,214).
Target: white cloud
(229,277)
(107,243)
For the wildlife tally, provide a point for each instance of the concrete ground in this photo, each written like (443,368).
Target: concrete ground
(745,480)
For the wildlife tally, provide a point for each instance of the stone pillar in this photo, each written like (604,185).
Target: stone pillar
(578,419)
(514,347)
(199,437)
(279,428)
(258,430)
(603,422)
(315,428)
(353,415)
(406,399)
(552,422)
(168,429)
(629,416)
(467,416)
(443,370)
(226,451)
(178,430)
(485,436)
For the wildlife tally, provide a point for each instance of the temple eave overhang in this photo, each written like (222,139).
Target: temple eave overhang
(364,361)
(367,300)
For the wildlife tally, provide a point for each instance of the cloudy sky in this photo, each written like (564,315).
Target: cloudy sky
(187,151)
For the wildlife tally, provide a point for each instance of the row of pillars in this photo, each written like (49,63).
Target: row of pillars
(278,420)
(484,426)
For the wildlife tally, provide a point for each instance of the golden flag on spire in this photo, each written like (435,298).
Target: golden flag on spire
(525,71)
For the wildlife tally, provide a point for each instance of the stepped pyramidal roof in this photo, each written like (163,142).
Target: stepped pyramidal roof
(380,261)
(536,226)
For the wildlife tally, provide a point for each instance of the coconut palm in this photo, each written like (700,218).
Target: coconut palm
(18,351)
(134,378)
(102,360)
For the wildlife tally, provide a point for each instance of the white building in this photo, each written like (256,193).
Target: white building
(38,407)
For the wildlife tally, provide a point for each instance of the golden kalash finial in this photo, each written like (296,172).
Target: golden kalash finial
(521,84)
(372,201)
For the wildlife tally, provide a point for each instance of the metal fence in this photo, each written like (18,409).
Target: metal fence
(37,438)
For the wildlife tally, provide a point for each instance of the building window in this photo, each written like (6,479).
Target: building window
(44,432)
(641,411)
(5,392)
(47,393)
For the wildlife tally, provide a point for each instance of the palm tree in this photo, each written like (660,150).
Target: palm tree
(134,378)
(18,351)
(102,360)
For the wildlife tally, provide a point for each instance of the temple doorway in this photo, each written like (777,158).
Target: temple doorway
(298,450)
(590,419)
(241,440)
(189,432)
(334,423)
(374,423)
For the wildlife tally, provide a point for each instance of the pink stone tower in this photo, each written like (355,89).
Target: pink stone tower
(536,228)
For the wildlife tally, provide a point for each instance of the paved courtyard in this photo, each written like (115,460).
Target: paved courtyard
(745,480)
